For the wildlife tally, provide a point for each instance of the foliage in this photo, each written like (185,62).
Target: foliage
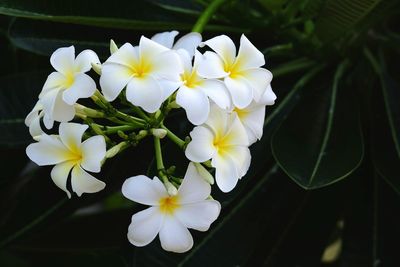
(336,122)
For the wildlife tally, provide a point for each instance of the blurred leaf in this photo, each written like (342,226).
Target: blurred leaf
(339,17)
(321,142)
(18,95)
(142,15)
(386,127)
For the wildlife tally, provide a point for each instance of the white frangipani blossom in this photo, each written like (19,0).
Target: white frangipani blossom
(222,139)
(67,84)
(32,120)
(149,71)
(66,151)
(194,93)
(241,73)
(170,216)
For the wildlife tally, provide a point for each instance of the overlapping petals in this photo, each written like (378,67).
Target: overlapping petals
(224,140)
(170,216)
(66,151)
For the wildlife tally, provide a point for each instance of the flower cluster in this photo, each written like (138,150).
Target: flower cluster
(223,91)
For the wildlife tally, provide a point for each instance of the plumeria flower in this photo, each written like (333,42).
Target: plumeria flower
(67,84)
(222,139)
(170,216)
(194,93)
(188,42)
(32,120)
(241,73)
(253,116)
(149,71)
(66,151)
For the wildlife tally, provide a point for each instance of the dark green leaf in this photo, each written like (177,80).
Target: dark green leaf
(321,141)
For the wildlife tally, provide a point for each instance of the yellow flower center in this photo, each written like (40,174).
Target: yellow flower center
(69,80)
(233,69)
(169,204)
(221,144)
(191,79)
(141,68)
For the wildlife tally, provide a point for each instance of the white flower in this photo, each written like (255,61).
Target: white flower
(170,216)
(67,152)
(67,84)
(242,74)
(149,71)
(253,116)
(222,139)
(32,120)
(194,93)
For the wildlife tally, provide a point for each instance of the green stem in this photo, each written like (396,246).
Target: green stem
(159,159)
(115,129)
(140,113)
(173,137)
(206,15)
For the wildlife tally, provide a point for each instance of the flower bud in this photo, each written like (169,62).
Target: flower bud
(160,133)
(171,189)
(113,46)
(97,68)
(204,173)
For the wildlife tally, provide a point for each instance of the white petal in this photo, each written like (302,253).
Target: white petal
(48,151)
(224,47)
(236,134)
(254,122)
(241,157)
(93,152)
(34,128)
(241,92)
(62,112)
(145,92)
(174,236)
(83,182)
(71,135)
(226,174)
(195,103)
(144,190)
(83,62)
(53,81)
(149,49)
(167,65)
(126,55)
(269,97)
(168,88)
(193,188)
(63,59)
(33,114)
(114,77)
(217,92)
(249,56)
(259,80)
(211,66)
(200,215)
(83,87)
(218,121)
(165,38)
(59,175)
(188,42)
(201,148)
(145,226)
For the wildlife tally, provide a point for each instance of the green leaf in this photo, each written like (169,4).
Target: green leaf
(321,141)
(386,126)
(339,17)
(138,15)
(18,95)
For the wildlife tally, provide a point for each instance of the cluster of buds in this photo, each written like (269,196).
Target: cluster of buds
(223,92)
